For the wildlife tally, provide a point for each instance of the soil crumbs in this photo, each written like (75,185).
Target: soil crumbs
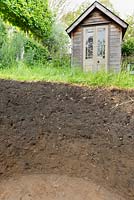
(70,131)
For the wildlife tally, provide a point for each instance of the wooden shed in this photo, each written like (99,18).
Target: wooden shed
(96,38)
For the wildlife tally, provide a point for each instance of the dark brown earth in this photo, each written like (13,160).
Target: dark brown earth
(81,132)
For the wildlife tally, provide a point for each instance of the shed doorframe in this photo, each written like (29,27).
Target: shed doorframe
(94,66)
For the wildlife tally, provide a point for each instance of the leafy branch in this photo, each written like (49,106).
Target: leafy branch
(30,15)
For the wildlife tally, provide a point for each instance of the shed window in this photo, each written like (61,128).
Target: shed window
(101,42)
(89,44)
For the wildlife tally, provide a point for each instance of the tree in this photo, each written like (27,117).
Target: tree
(16,47)
(128,44)
(30,15)
(59,7)
(130,30)
(69,17)
(109,5)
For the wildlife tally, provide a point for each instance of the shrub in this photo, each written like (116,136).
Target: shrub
(128,47)
(35,52)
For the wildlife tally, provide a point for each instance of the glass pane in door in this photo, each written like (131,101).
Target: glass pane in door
(89,44)
(101,42)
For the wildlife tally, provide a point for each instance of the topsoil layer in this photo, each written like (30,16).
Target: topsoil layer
(51,128)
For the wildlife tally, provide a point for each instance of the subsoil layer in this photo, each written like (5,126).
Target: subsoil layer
(53,187)
(50,128)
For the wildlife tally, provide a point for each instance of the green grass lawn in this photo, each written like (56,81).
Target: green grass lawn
(67,75)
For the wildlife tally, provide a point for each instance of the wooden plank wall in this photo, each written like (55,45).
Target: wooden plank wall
(115,41)
(77,57)
(95,17)
(114,44)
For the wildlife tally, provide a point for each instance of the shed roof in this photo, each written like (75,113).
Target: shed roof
(104,10)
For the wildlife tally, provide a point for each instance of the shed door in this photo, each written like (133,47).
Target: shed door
(95,48)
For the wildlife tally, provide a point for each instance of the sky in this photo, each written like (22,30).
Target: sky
(123,7)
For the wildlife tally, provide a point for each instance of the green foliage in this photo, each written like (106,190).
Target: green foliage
(11,50)
(128,44)
(130,30)
(29,15)
(58,41)
(67,75)
(58,7)
(58,45)
(6,52)
(126,60)
(128,47)
(7,55)
(17,47)
(109,5)
(3,33)
(35,52)
(69,17)
(34,17)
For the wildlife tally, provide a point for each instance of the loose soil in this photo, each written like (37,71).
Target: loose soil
(72,131)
